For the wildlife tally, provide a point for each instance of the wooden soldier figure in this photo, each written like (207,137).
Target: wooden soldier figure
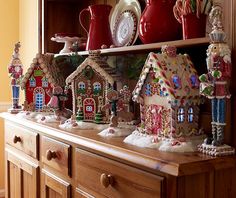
(214,84)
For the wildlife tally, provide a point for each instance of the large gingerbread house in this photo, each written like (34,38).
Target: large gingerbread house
(39,80)
(89,84)
(168,93)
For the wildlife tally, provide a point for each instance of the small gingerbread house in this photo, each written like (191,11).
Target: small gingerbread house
(39,80)
(89,84)
(168,93)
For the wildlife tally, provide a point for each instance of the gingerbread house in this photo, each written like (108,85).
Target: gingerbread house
(168,93)
(89,84)
(39,80)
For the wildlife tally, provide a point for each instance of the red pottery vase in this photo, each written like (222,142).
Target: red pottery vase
(157,22)
(193,27)
(99,32)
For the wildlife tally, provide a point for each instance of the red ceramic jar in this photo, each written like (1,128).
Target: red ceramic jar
(193,27)
(158,23)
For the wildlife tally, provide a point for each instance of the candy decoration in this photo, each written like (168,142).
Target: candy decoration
(185,7)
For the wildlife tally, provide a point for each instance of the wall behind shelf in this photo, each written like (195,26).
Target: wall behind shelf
(18,22)
(9,35)
(28,30)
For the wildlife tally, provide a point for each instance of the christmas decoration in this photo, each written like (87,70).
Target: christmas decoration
(89,84)
(168,94)
(57,104)
(215,84)
(15,71)
(118,104)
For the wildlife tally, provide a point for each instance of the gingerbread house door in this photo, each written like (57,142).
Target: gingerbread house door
(39,98)
(153,119)
(89,105)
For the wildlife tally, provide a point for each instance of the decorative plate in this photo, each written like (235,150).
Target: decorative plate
(125,29)
(120,19)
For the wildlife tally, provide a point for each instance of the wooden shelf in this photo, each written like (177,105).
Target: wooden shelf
(150,47)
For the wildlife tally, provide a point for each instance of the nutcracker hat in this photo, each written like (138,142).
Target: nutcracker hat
(217,34)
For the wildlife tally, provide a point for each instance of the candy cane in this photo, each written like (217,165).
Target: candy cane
(198,8)
(207,7)
(173,122)
(177,13)
(178,10)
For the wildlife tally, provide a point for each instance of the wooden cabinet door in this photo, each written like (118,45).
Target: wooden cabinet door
(21,177)
(53,186)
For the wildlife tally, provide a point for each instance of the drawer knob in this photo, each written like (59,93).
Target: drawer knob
(106,180)
(16,139)
(51,155)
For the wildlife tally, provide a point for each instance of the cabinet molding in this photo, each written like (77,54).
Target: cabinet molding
(51,182)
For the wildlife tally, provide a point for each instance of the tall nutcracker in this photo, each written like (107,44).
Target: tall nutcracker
(15,71)
(214,85)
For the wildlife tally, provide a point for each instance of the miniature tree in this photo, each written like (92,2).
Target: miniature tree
(98,118)
(80,115)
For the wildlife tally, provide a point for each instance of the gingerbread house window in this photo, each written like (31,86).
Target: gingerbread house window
(148,89)
(190,115)
(180,115)
(81,87)
(32,82)
(44,82)
(97,87)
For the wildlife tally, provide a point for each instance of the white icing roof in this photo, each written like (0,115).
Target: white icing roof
(166,67)
(44,62)
(99,66)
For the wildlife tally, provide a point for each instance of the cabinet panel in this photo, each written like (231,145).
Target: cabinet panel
(22,177)
(112,179)
(22,139)
(195,186)
(53,186)
(225,183)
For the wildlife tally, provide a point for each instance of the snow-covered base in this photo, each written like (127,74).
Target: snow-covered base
(82,125)
(29,115)
(216,150)
(120,130)
(50,118)
(14,111)
(143,140)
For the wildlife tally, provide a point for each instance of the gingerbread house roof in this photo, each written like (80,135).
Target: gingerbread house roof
(51,71)
(99,65)
(164,68)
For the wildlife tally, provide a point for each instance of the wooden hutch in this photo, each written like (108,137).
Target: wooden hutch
(45,161)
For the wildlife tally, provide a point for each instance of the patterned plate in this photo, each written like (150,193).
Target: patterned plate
(125,29)
(125,14)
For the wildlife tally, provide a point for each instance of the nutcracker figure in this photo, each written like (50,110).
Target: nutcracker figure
(214,85)
(15,71)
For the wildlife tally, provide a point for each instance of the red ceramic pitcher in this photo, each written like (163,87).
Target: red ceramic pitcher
(99,28)
(158,23)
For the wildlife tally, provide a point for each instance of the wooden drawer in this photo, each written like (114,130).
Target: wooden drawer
(56,155)
(113,179)
(22,139)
